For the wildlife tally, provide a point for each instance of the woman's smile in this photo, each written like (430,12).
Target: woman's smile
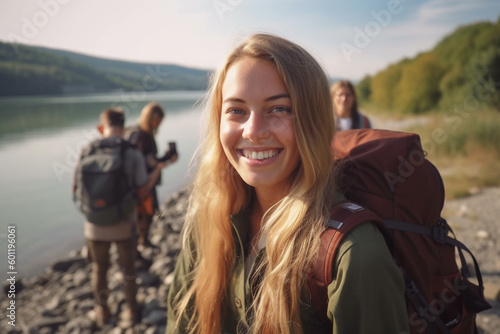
(259,155)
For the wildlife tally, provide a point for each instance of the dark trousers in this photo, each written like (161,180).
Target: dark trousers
(99,252)
(143,225)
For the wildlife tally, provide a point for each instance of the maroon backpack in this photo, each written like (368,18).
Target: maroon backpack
(387,179)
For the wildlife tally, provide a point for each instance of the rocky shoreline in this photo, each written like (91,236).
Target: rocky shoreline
(59,300)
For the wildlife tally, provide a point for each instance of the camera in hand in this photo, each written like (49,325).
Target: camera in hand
(172,150)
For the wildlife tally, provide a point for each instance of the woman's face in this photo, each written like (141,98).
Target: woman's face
(155,121)
(257,130)
(343,101)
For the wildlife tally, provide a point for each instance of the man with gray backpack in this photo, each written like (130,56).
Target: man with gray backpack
(109,179)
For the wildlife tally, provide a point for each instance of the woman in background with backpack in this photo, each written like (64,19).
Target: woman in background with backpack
(345,105)
(142,137)
(260,201)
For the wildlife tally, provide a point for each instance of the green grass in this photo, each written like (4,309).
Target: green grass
(475,133)
(465,150)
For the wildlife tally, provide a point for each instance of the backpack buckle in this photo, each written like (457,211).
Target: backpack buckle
(335,224)
(353,207)
(439,233)
(411,287)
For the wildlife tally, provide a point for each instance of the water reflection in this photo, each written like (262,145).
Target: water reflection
(25,115)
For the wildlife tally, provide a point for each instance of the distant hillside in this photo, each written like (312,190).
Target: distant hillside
(42,71)
(463,69)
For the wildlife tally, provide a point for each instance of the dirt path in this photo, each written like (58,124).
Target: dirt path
(398,124)
(475,220)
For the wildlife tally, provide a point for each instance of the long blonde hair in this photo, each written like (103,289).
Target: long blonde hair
(292,225)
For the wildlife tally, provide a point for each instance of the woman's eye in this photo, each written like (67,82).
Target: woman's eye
(235,111)
(281,110)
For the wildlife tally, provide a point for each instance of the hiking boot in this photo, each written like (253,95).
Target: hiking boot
(102,315)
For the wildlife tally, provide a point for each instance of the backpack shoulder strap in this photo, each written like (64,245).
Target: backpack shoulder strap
(124,145)
(90,148)
(344,217)
(133,135)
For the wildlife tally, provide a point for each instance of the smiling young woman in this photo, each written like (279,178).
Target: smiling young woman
(260,199)
(257,131)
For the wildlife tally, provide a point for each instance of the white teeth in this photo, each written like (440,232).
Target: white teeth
(259,155)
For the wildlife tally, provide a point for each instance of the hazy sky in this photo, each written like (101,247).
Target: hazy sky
(349,38)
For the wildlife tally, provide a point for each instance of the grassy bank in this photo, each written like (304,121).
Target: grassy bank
(465,146)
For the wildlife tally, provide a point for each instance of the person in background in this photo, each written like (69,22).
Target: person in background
(264,186)
(345,105)
(100,237)
(142,136)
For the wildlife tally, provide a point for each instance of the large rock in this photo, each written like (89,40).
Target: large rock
(17,287)
(156,317)
(64,265)
(147,279)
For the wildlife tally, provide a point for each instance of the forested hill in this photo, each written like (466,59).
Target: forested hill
(462,69)
(26,70)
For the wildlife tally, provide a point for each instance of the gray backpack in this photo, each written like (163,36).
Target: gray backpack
(103,192)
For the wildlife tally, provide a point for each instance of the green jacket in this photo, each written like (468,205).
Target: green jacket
(366,295)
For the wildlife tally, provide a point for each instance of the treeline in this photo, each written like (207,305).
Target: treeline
(26,70)
(462,70)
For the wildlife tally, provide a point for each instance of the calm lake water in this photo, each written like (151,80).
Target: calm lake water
(40,139)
